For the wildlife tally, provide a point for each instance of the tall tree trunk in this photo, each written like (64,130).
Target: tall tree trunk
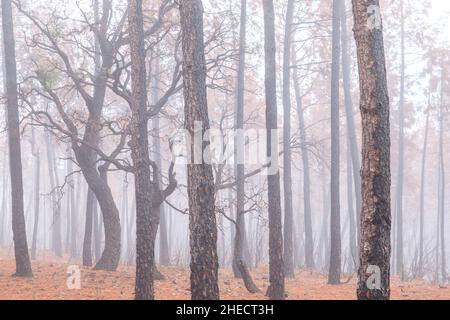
(23,264)
(401,150)
(441,192)
(164,256)
(422,193)
(334,274)
(239,149)
(239,263)
(351,130)
(87,242)
(375,245)
(140,155)
(37,183)
(276,265)
(351,212)
(56,201)
(73,213)
(309,243)
(202,220)
(288,257)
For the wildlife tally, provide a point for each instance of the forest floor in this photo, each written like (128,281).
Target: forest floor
(49,282)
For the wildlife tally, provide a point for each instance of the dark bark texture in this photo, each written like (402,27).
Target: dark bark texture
(202,220)
(375,245)
(276,265)
(23,264)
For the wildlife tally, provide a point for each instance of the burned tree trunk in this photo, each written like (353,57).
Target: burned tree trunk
(276,266)
(23,264)
(202,220)
(375,248)
(140,155)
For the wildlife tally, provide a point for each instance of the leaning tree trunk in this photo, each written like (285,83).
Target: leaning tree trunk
(202,220)
(288,255)
(276,265)
(334,274)
(23,264)
(375,248)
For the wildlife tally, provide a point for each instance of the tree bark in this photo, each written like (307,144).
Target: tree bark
(139,151)
(375,245)
(202,221)
(276,265)
(23,264)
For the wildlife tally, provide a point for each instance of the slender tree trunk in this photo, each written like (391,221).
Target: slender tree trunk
(401,151)
(441,193)
(309,243)
(202,221)
(140,155)
(23,264)
(276,265)
(37,184)
(422,194)
(73,213)
(375,245)
(87,242)
(351,130)
(334,274)
(239,148)
(239,263)
(288,257)
(56,201)
(351,212)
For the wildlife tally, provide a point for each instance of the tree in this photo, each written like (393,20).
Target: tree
(23,264)
(139,152)
(309,243)
(355,163)
(276,266)
(375,245)
(288,256)
(202,220)
(37,183)
(334,274)
(401,148)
